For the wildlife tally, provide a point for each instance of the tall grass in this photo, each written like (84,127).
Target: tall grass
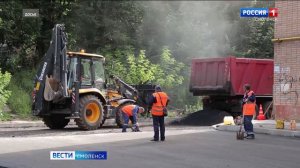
(21,87)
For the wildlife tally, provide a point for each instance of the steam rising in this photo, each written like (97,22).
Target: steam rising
(192,28)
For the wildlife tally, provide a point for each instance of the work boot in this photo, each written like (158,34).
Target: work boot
(137,129)
(154,140)
(250,136)
(124,128)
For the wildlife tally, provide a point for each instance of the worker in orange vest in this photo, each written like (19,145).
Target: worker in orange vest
(130,112)
(159,100)
(249,103)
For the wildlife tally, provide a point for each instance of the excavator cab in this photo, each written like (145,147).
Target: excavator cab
(89,68)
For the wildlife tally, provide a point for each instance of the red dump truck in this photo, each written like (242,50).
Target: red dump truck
(220,81)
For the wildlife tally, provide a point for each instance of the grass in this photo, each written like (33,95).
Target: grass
(5,116)
(21,86)
(19,101)
(172,114)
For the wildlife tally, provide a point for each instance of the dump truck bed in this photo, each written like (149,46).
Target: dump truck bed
(227,76)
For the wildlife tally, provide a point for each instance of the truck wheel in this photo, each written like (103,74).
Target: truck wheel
(56,121)
(91,113)
(119,118)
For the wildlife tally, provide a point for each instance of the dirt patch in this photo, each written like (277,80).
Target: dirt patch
(202,118)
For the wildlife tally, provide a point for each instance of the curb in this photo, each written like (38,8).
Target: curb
(277,132)
(39,123)
(21,124)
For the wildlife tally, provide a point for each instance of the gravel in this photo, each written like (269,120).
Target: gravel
(205,117)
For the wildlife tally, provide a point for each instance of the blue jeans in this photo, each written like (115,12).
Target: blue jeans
(248,124)
(126,119)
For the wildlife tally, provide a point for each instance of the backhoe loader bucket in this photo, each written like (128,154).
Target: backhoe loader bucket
(51,89)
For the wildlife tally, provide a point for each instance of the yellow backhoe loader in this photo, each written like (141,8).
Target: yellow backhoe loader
(73,85)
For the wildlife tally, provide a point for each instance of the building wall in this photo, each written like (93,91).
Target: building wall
(287,61)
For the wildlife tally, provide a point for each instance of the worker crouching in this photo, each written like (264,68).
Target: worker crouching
(130,112)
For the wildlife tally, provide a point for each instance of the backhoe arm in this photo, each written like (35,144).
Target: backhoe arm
(53,70)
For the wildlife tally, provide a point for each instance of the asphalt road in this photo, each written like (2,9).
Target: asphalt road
(186,147)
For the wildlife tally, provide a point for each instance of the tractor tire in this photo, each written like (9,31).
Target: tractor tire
(119,117)
(56,121)
(90,112)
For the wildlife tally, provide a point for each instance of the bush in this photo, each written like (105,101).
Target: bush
(20,101)
(21,86)
(24,79)
(4,94)
(4,116)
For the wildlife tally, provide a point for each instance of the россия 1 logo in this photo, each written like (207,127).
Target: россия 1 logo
(259,12)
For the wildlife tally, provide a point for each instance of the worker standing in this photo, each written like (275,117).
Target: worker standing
(130,112)
(249,103)
(159,101)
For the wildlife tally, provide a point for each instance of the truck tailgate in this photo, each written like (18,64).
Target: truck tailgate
(227,76)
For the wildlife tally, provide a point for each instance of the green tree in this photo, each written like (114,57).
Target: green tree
(96,25)
(168,73)
(143,42)
(133,69)
(252,37)
(140,69)
(19,34)
(255,39)
(4,93)
(28,38)
(116,60)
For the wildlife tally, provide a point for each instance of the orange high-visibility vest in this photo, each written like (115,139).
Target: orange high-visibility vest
(128,109)
(161,101)
(249,109)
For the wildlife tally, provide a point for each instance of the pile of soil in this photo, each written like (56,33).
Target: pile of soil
(205,117)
